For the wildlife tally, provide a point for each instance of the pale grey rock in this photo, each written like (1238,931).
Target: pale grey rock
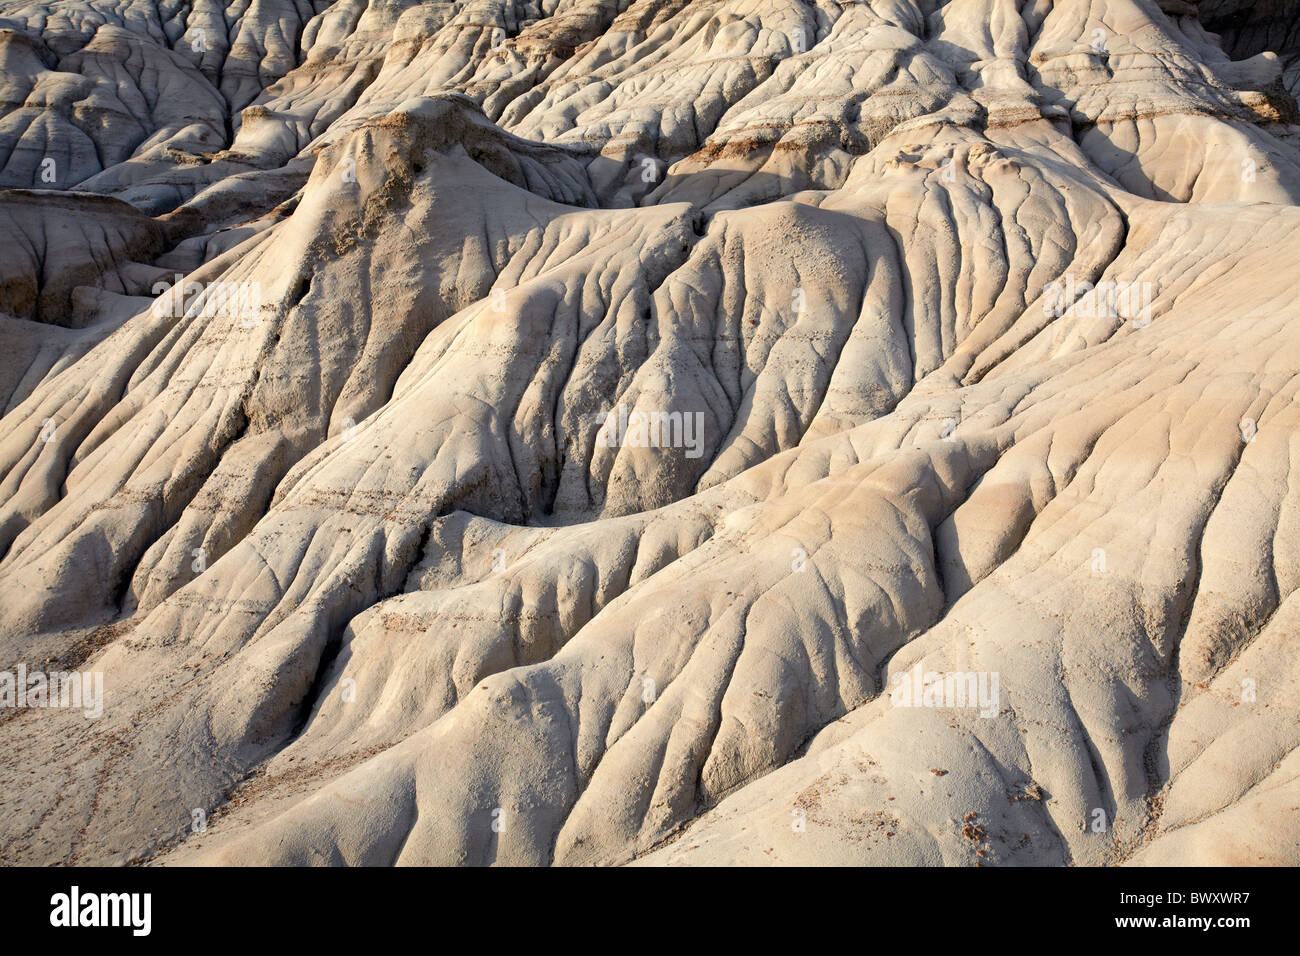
(369,584)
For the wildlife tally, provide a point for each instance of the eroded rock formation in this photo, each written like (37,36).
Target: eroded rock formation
(568,431)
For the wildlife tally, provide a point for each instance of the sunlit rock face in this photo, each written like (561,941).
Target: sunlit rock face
(591,431)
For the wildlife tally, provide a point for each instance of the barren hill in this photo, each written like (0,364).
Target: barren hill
(683,431)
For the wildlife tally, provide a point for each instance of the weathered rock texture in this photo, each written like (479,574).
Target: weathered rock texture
(980,321)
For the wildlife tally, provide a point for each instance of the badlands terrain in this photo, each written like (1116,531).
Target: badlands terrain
(659,431)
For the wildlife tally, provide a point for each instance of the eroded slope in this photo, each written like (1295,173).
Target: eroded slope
(368,581)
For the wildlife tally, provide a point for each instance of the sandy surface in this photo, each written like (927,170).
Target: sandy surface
(594,432)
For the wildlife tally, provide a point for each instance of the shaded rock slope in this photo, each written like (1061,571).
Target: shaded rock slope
(597,431)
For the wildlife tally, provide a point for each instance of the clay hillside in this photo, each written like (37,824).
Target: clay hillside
(593,431)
